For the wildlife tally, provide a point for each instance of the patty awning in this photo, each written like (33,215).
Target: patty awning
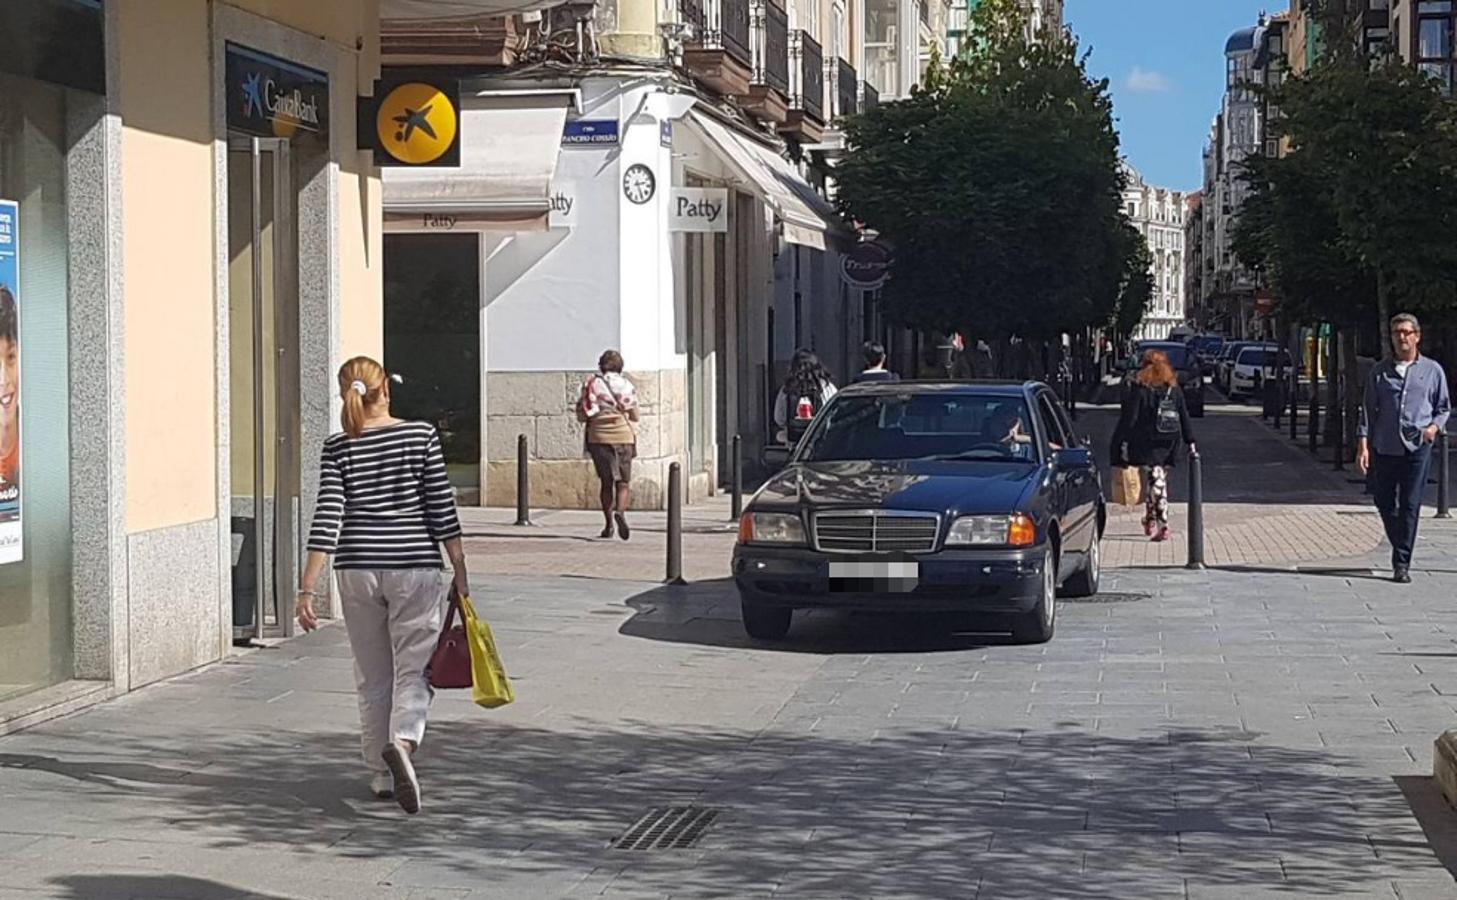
(417,10)
(807,216)
(508,154)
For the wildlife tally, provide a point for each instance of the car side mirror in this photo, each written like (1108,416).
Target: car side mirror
(776,456)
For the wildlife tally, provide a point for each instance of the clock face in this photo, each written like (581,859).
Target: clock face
(638,183)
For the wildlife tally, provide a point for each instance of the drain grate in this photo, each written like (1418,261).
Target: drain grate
(667,828)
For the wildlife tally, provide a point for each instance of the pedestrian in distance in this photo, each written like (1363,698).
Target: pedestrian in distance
(608,407)
(1404,409)
(875,365)
(385,509)
(1152,425)
(805,392)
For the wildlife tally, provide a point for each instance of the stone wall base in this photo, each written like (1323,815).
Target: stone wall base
(572,484)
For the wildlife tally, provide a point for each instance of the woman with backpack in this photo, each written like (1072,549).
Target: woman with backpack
(1152,425)
(608,407)
(805,392)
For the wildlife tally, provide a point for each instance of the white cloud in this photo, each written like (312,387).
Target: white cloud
(1146,81)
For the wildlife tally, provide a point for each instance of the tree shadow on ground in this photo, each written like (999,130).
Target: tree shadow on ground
(909,812)
(707,613)
(149,887)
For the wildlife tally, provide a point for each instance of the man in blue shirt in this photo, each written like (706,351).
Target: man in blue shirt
(1405,408)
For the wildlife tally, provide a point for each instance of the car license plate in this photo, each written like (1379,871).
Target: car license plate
(874,576)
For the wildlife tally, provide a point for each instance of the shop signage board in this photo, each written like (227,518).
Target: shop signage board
(562,205)
(413,124)
(11,521)
(590,133)
(698,210)
(665,133)
(866,266)
(272,97)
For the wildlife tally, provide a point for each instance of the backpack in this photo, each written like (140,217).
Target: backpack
(1166,416)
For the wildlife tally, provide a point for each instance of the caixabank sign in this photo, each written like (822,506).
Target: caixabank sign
(412,122)
(272,97)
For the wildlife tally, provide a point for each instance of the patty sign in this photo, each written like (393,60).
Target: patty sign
(866,266)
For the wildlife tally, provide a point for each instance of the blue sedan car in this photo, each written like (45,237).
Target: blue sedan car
(922,496)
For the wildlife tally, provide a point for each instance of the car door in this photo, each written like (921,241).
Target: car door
(1074,485)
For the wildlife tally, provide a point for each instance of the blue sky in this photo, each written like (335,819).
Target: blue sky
(1165,62)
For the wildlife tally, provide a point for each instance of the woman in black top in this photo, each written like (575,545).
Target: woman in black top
(1153,423)
(385,508)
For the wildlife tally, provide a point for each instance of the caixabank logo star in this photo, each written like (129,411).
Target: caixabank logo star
(417,123)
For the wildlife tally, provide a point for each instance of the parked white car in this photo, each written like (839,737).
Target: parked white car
(1253,367)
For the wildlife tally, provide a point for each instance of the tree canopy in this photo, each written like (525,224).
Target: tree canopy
(998,184)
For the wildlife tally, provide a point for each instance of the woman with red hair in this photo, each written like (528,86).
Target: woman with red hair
(1152,424)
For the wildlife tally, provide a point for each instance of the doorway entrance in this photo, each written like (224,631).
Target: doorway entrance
(263,384)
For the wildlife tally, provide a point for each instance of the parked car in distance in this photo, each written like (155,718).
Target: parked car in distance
(1254,366)
(971,497)
(1226,362)
(1186,366)
(1207,347)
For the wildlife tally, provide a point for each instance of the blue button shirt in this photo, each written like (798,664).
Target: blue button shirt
(1396,409)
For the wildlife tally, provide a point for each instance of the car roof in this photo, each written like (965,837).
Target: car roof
(1158,344)
(989,387)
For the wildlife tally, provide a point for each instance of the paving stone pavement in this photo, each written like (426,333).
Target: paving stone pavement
(1188,734)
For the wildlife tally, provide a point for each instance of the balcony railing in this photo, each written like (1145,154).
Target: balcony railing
(770,37)
(721,24)
(846,84)
(806,74)
(870,97)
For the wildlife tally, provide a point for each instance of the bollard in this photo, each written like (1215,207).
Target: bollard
(1314,429)
(1295,410)
(1196,512)
(736,509)
(1338,424)
(1443,448)
(523,483)
(675,525)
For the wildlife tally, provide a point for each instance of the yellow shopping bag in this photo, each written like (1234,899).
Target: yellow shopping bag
(490,687)
(1127,486)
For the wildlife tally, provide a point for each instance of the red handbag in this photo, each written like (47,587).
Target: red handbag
(450,663)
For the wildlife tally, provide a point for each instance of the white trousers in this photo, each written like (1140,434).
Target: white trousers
(393,617)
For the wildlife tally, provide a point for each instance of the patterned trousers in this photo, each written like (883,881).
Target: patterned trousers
(1156,503)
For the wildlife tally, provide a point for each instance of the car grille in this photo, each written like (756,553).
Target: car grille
(874,532)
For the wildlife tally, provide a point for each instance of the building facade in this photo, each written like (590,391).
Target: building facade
(1194,309)
(1237,302)
(190,238)
(671,204)
(1160,215)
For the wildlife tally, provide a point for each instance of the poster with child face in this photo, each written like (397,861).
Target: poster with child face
(10,508)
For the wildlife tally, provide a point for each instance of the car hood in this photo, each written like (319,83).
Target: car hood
(955,488)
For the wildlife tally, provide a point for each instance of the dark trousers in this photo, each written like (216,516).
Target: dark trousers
(1398,483)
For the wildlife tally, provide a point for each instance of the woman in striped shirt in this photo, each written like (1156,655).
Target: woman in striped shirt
(385,508)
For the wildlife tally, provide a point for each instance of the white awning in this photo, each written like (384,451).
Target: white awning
(806,215)
(508,154)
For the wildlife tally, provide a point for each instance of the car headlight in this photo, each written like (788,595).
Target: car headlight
(992,531)
(771,528)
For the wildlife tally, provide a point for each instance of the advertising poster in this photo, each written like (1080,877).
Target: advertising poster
(10,507)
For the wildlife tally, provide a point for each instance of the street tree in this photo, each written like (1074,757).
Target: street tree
(999,187)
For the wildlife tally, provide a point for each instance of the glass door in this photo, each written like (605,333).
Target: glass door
(263,386)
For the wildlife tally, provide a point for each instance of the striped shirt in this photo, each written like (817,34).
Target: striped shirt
(384,499)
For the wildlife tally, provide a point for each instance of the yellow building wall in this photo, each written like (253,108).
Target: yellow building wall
(349,23)
(164,91)
(361,260)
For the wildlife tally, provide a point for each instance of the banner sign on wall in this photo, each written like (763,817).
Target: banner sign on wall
(562,211)
(10,519)
(701,210)
(590,132)
(866,266)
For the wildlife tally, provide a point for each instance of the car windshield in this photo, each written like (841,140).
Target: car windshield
(939,426)
(1258,357)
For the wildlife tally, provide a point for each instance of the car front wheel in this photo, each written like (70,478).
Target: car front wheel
(1037,624)
(766,623)
(1085,582)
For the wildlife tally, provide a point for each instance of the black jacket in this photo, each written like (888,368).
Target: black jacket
(1137,440)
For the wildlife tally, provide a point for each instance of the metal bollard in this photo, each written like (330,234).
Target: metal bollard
(675,525)
(1196,512)
(1314,429)
(1444,462)
(523,483)
(1295,410)
(736,508)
